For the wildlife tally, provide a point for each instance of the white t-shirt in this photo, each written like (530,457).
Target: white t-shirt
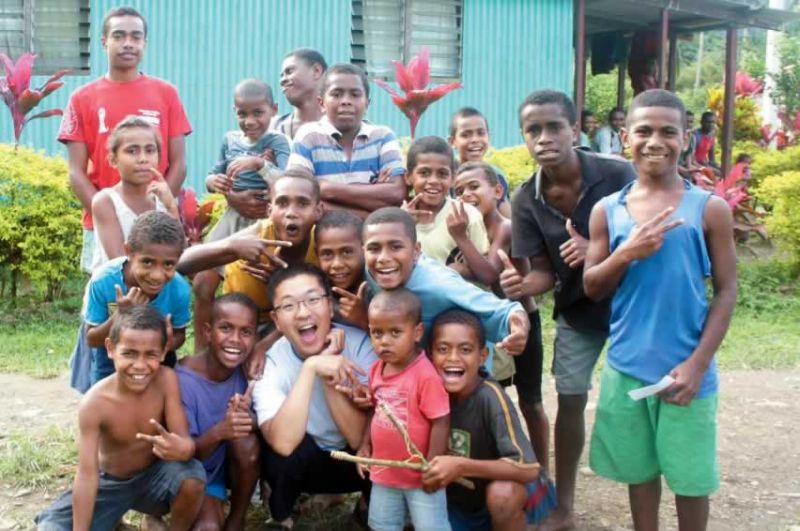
(435,239)
(282,370)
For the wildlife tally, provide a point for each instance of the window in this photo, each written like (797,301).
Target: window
(56,30)
(386,30)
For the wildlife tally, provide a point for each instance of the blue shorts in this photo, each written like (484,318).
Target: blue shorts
(216,488)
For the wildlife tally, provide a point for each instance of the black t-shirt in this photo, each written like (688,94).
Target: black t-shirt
(485,426)
(539,229)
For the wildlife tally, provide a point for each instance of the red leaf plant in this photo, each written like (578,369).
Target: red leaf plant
(744,85)
(193,217)
(19,97)
(413,80)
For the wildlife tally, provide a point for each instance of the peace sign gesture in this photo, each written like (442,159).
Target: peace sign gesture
(646,239)
(457,220)
(134,297)
(420,216)
(167,445)
(352,307)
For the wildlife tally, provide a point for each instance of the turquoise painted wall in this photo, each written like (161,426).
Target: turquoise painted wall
(205,47)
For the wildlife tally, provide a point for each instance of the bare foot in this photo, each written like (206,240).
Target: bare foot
(557,520)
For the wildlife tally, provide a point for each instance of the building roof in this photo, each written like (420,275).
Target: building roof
(685,16)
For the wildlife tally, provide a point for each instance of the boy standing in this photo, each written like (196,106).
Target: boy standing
(359,165)
(134,449)
(95,109)
(705,140)
(607,139)
(550,226)
(653,244)
(301,71)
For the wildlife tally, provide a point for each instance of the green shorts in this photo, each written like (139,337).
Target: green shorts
(635,441)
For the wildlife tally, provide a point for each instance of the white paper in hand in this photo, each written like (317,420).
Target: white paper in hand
(650,390)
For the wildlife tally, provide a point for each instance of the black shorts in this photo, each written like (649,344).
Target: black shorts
(528,365)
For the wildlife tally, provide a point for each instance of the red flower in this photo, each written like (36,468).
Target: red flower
(744,85)
(413,80)
(17,94)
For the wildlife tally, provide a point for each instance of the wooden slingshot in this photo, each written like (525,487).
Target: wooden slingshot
(416,460)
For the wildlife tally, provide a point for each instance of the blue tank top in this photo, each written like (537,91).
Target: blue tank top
(660,306)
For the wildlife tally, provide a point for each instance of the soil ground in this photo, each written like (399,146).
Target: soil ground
(759,454)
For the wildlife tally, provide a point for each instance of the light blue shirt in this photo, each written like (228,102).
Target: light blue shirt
(281,372)
(606,140)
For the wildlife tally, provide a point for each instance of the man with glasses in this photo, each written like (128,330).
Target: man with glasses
(299,411)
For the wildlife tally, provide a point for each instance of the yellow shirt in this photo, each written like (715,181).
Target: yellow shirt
(435,239)
(239,281)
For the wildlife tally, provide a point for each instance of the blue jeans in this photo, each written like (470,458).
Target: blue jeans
(389,506)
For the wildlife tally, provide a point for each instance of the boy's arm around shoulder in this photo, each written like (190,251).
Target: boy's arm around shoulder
(718,223)
(87,478)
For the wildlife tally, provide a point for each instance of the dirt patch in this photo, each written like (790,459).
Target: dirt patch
(759,454)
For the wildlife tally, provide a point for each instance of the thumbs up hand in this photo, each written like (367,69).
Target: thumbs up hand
(573,251)
(510,279)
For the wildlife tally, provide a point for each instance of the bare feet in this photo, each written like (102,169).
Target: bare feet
(558,520)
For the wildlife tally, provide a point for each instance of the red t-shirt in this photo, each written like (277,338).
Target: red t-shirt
(96,108)
(416,396)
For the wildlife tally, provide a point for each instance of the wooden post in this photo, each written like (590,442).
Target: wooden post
(580,55)
(728,111)
(662,49)
(622,68)
(673,62)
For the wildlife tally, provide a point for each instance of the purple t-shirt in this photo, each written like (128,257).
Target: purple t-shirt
(205,403)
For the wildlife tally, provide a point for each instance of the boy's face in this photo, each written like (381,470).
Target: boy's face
(457,355)
(431,180)
(708,123)
(136,156)
(689,122)
(299,80)
(389,254)
(253,115)
(137,357)
(345,101)
(153,266)
(548,134)
(656,138)
(589,125)
(303,313)
(617,121)
(294,209)
(231,334)
(394,336)
(124,42)
(341,256)
(471,140)
(473,188)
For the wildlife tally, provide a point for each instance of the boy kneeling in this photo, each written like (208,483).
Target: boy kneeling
(486,438)
(126,458)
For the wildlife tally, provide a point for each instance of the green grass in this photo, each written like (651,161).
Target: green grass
(38,460)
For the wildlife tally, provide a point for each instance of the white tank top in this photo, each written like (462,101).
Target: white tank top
(126,216)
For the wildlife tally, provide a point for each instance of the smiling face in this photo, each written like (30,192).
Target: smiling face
(137,357)
(253,115)
(306,321)
(457,354)
(136,155)
(473,188)
(231,335)
(656,138)
(389,254)
(345,101)
(341,256)
(394,336)
(299,80)
(617,120)
(431,179)
(548,134)
(589,124)
(471,139)
(152,266)
(124,42)
(294,209)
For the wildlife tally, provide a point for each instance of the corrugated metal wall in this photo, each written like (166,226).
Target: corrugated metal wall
(205,47)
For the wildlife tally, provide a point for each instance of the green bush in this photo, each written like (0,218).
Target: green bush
(515,161)
(782,191)
(771,162)
(40,220)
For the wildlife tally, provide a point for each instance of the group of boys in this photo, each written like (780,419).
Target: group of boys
(345,299)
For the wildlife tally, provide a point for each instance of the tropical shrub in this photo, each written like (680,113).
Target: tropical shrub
(773,162)
(746,118)
(40,220)
(782,192)
(515,161)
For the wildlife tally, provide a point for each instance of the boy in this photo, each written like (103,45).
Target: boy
(359,165)
(393,260)
(549,228)
(216,399)
(449,231)
(653,244)
(341,258)
(403,379)
(487,443)
(705,141)
(144,276)
(588,128)
(134,449)
(476,184)
(250,159)
(607,139)
(300,74)
(469,136)
(96,108)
